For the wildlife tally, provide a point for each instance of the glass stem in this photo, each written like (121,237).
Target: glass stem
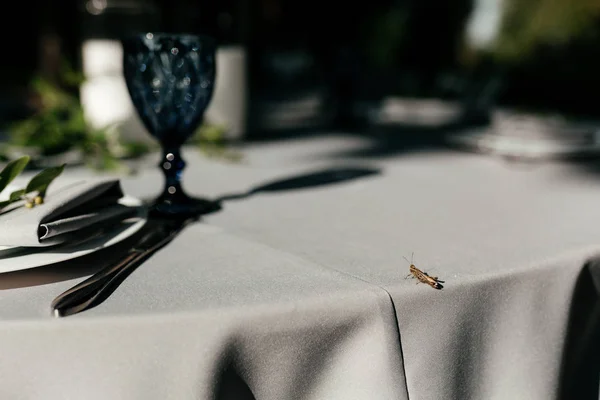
(172,166)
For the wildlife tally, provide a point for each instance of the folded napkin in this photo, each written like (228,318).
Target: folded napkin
(71,211)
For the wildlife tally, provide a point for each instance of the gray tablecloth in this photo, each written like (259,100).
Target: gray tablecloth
(293,292)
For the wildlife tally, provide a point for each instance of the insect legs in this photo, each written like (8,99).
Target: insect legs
(421,276)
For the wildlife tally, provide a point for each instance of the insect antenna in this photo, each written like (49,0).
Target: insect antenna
(407,260)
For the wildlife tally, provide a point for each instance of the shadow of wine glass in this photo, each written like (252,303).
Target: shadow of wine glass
(329,176)
(324,177)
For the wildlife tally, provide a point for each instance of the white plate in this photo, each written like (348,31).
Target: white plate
(19,258)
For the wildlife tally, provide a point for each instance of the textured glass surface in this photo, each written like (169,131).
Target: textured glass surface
(170,80)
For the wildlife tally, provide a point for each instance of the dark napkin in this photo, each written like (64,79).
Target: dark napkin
(71,211)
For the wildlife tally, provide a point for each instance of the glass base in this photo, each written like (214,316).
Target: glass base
(183,206)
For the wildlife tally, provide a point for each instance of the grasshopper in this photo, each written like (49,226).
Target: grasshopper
(421,276)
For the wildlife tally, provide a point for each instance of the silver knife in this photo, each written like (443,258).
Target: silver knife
(97,288)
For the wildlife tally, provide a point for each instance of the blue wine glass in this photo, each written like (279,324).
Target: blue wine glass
(170,78)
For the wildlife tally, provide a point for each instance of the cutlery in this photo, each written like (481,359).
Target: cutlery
(158,232)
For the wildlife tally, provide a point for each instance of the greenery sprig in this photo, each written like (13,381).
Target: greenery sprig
(58,127)
(35,191)
(211,141)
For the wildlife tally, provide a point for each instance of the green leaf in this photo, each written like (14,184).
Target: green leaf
(14,197)
(41,181)
(12,170)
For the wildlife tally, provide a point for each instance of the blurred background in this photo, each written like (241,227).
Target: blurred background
(416,73)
